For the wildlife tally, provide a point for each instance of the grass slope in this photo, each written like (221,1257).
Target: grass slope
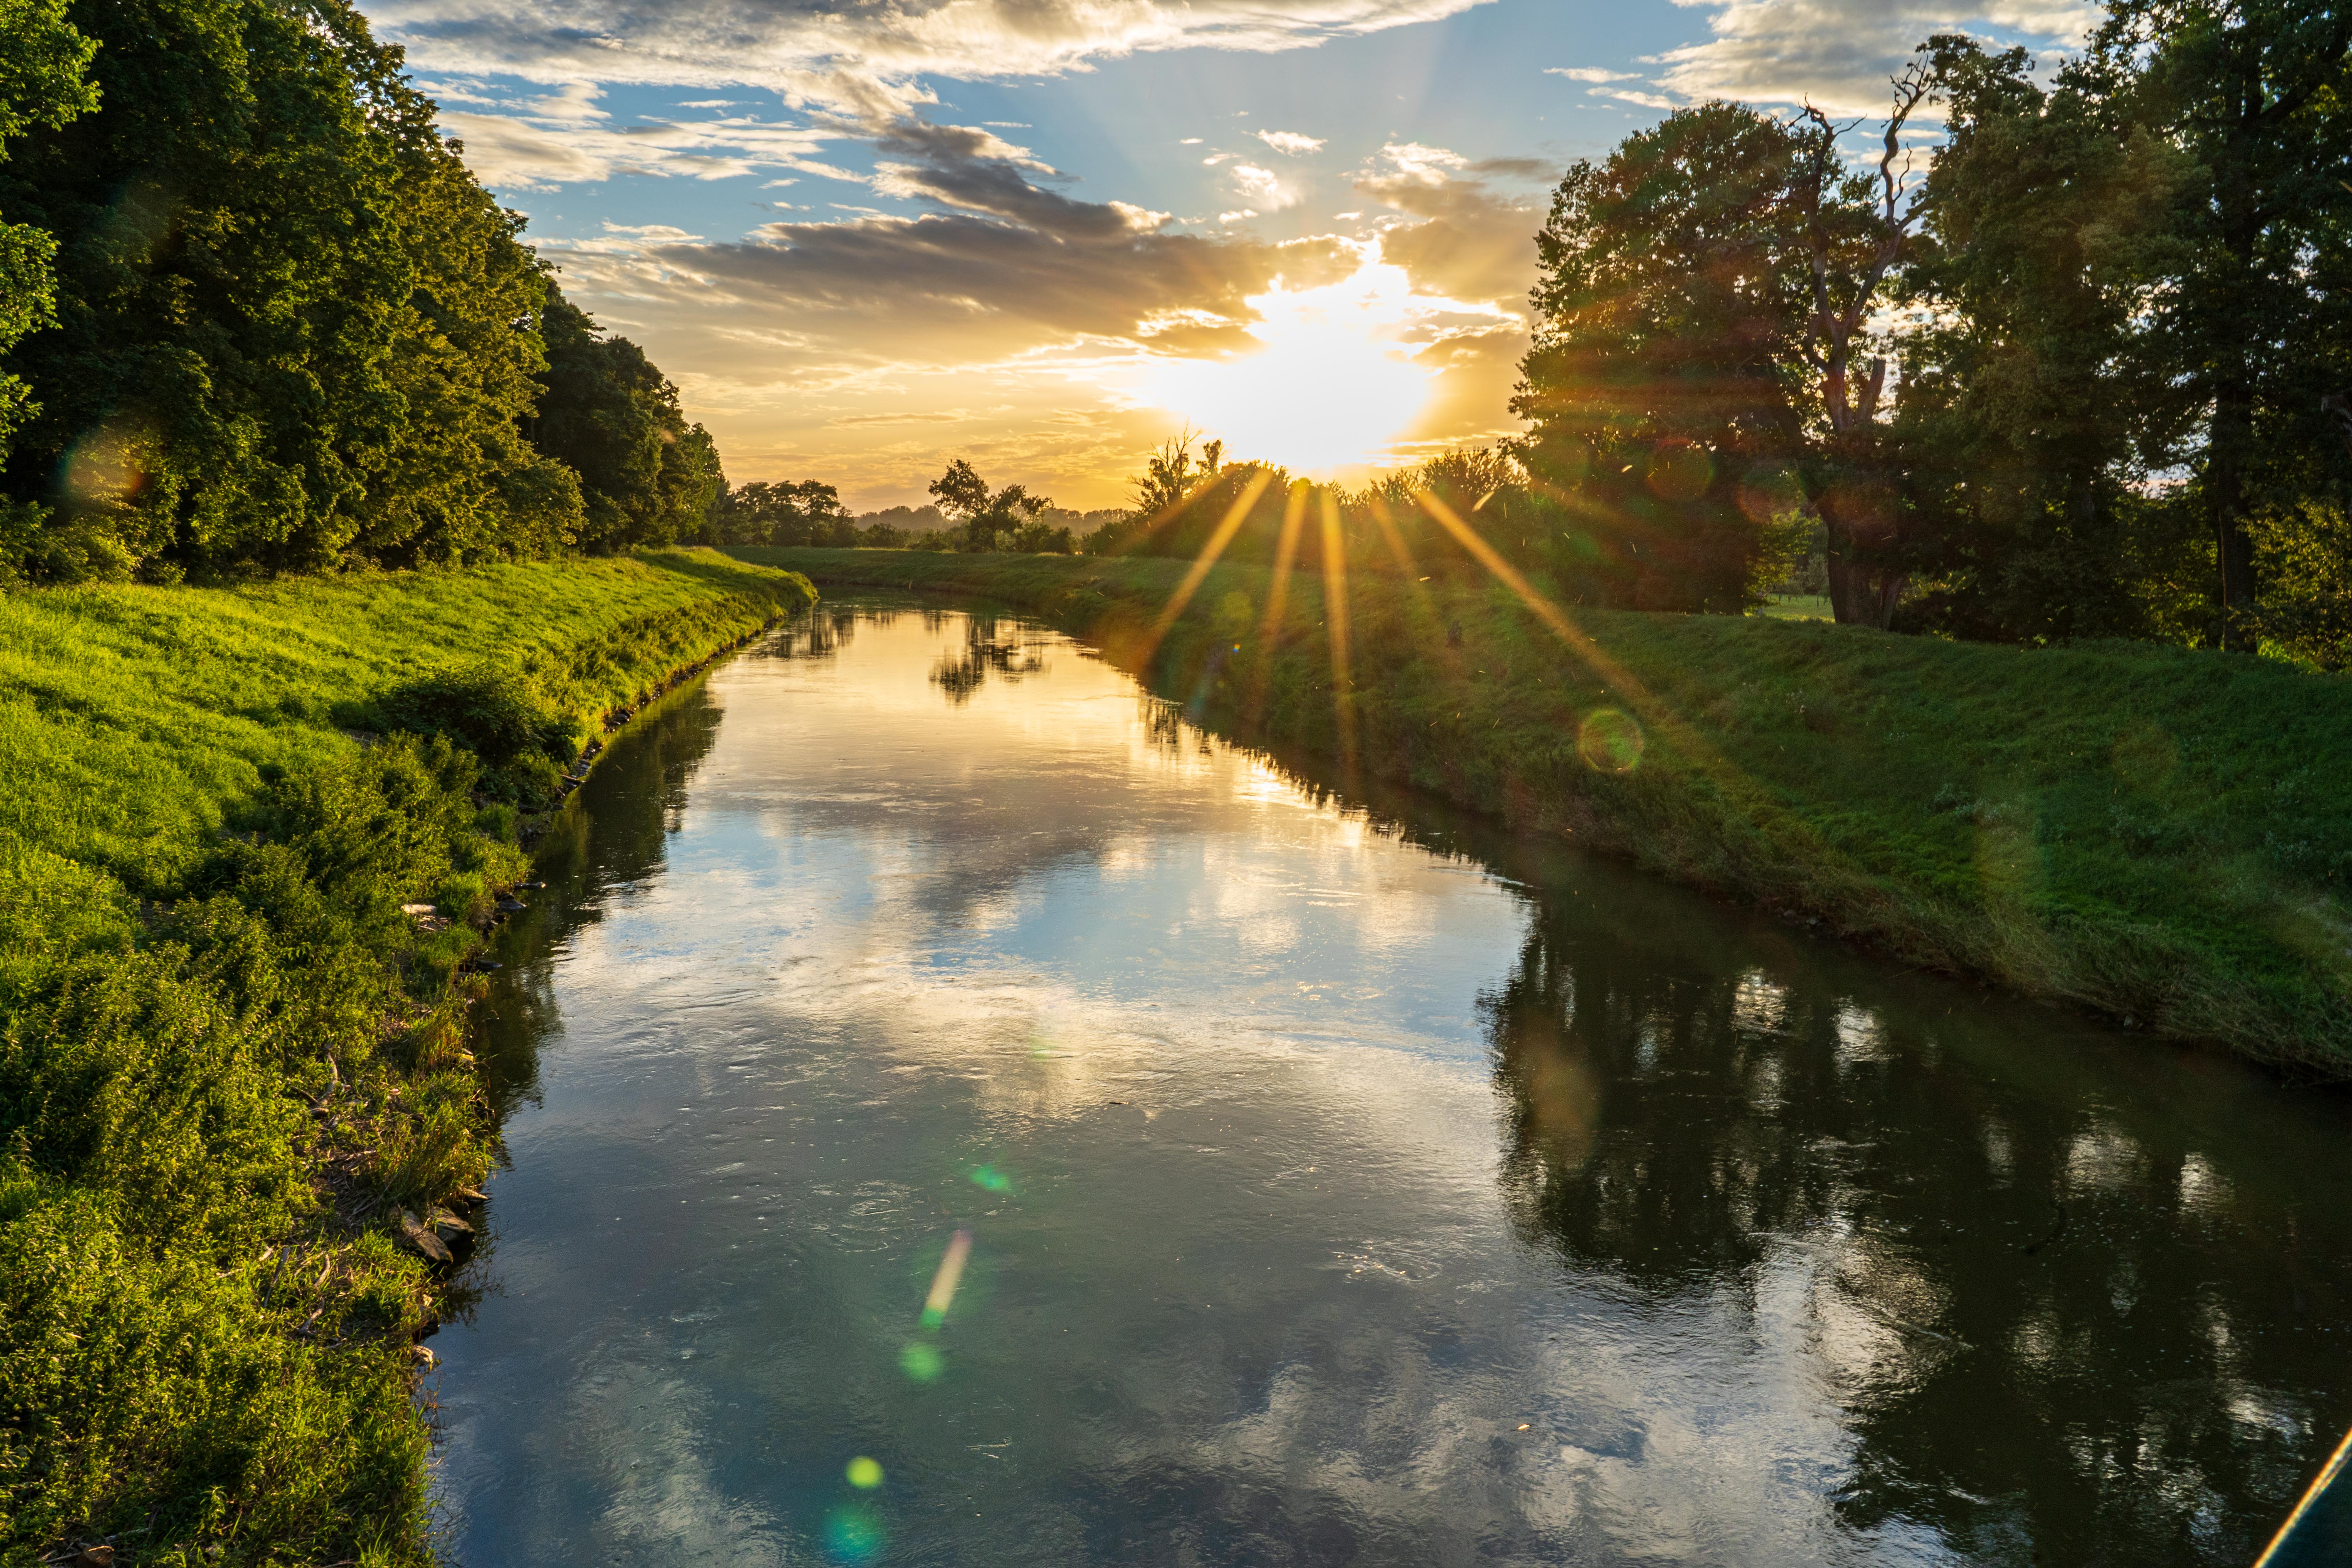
(230,1064)
(2162,834)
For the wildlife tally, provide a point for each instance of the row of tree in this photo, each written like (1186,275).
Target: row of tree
(2087,379)
(968,515)
(2091,376)
(259,315)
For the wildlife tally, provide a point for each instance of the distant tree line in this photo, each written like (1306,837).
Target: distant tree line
(967,515)
(259,316)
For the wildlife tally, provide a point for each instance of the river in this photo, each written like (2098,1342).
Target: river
(959,1113)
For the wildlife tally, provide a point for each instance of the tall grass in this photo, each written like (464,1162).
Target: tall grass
(231,1067)
(2161,835)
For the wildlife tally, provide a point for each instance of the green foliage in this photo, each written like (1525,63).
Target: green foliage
(2143,830)
(225,1049)
(783,512)
(487,709)
(290,330)
(43,65)
(996,519)
(2304,552)
(647,477)
(1666,384)
(2247,324)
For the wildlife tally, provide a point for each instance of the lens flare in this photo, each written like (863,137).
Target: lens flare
(1610,742)
(865,1473)
(943,1283)
(923,1362)
(1335,615)
(853,1533)
(1229,524)
(989,1179)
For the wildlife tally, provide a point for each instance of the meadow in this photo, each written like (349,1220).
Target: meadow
(237,1108)
(2160,835)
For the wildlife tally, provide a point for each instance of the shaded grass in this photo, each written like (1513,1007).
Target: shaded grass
(2162,834)
(228,1061)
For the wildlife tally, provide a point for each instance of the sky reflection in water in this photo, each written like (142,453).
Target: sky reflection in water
(960,1114)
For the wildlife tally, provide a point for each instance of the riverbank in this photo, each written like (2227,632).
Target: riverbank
(2161,835)
(249,839)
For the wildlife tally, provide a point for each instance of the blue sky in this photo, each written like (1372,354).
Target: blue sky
(1048,234)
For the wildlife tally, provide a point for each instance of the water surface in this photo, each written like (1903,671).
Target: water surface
(1345,1181)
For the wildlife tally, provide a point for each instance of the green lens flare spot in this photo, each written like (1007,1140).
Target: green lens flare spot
(933,1317)
(865,1473)
(923,1362)
(988,1178)
(853,1533)
(1610,742)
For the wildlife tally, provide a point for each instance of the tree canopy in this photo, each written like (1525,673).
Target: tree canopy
(262,317)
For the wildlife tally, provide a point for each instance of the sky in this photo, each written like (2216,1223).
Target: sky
(864,236)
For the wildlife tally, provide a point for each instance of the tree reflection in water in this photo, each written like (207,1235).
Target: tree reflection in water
(2032,1265)
(612,833)
(1007,647)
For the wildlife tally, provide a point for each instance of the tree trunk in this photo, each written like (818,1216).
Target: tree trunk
(1861,592)
(1862,595)
(2225,481)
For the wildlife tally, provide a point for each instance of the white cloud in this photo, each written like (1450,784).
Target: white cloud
(1627,95)
(573,104)
(1839,53)
(563,139)
(1291,142)
(1192,141)
(860,60)
(1142,220)
(1427,165)
(1587,73)
(1262,187)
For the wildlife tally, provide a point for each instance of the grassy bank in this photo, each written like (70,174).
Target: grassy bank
(236,1103)
(2160,835)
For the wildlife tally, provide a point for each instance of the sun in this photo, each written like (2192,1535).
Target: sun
(1329,390)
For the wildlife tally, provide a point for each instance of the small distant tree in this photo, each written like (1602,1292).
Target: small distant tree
(987,519)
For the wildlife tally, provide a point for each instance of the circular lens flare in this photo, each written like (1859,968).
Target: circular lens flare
(853,1533)
(1610,742)
(865,1473)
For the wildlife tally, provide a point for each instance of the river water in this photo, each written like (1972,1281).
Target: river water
(1335,1180)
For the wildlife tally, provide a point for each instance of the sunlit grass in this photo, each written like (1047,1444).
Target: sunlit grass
(228,1060)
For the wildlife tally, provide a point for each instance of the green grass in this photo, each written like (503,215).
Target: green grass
(1796,608)
(2157,834)
(227,1060)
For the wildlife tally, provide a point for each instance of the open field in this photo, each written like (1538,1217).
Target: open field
(2159,835)
(234,1087)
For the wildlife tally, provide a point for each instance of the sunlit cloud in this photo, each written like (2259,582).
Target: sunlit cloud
(1291,142)
(858,60)
(563,139)
(1264,189)
(1839,53)
(1587,73)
